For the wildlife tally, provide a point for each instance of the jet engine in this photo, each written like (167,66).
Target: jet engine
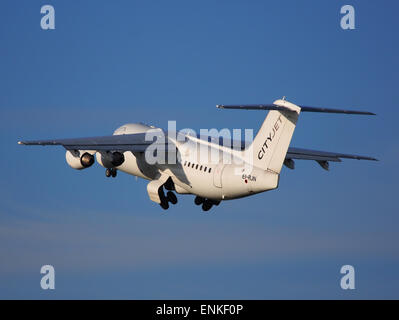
(79,159)
(110,159)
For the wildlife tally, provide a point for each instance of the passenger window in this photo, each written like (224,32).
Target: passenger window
(196,167)
(201,168)
(192,166)
(205,169)
(185,162)
(209,170)
(189,164)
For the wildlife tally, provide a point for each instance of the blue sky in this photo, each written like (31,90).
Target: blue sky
(109,63)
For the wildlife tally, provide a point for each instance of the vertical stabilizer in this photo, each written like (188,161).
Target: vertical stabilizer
(269,148)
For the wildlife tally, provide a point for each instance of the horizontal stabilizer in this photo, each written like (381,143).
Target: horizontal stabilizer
(306,154)
(303,108)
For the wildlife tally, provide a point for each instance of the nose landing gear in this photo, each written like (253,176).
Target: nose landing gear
(110,172)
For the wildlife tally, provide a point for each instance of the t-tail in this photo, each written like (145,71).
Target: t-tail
(269,147)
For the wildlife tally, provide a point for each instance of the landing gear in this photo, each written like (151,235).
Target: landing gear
(110,172)
(198,200)
(164,205)
(171,197)
(207,205)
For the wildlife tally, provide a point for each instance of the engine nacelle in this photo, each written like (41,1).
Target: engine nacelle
(79,159)
(110,159)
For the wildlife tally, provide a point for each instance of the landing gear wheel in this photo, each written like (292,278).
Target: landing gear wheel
(198,201)
(206,205)
(114,173)
(171,197)
(108,173)
(164,205)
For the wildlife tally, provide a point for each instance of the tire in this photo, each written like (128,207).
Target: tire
(114,173)
(206,206)
(108,173)
(164,205)
(171,197)
(216,203)
(198,200)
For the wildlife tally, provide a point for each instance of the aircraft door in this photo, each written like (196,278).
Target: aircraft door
(217,175)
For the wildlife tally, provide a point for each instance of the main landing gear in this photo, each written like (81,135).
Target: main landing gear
(206,203)
(110,172)
(165,199)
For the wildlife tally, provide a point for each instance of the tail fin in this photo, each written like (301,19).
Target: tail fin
(270,146)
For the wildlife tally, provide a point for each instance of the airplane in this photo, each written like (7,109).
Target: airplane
(256,167)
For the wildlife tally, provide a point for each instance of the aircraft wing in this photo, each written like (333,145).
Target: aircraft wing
(138,143)
(127,142)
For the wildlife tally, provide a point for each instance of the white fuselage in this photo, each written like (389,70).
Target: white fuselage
(190,165)
(206,178)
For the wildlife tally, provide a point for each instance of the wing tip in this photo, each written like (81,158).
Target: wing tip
(366,158)
(20,142)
